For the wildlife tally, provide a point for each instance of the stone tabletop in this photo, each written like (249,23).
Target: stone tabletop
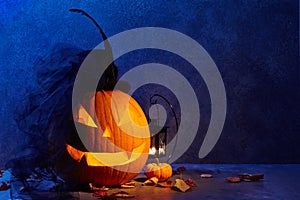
(280,182)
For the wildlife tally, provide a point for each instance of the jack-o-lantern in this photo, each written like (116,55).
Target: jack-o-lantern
(116,141)
(111,142)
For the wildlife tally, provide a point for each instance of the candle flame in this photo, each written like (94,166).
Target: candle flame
(160,151)
(152,151)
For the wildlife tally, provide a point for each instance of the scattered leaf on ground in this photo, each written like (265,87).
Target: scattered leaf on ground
(127,186)
(190,182)
(206,175)
(233,179)
(167,184)
(122,194)
(256,177)
(94,188)
(243,176)
(131,184)
(151,181)
(181,185)
(249,178)
(100,194)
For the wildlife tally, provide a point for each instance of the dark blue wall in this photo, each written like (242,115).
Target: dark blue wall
(255,45)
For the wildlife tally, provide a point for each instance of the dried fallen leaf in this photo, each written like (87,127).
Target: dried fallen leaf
(94,188)
(233,179)
(152,181)
(167,184)
(122,194)
(190,182)
(131,184)
(243,176)
(206,175)
(4,186)
(181,185)
(256,177)
(100,193)
(250,178)
(127,186)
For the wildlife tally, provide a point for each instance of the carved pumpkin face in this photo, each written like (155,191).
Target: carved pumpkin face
(116,137)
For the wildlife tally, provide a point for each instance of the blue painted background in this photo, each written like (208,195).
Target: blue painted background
(255,45)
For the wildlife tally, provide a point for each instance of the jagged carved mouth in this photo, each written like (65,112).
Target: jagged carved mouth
(106,159)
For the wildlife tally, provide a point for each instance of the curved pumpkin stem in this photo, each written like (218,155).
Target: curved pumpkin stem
(104,37)
(107,45)
(91,18)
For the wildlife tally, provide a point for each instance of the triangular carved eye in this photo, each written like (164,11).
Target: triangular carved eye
(84,117)
(107,132)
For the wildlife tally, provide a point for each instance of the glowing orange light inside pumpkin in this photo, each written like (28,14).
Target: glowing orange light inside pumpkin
(118,138)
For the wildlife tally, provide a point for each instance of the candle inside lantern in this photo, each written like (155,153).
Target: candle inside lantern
(158,142)
(161,151)
(159,131)
(152,151)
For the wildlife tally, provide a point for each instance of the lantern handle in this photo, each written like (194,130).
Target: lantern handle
(152,101)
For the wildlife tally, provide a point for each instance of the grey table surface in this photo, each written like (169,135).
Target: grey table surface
(280,182)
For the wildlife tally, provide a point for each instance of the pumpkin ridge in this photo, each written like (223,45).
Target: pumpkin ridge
(136,142)
(99,116)
(107,101)
(133,142)
(120,131)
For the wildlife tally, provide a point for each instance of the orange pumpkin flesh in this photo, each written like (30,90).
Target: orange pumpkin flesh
(162,171)
(105,159)
(117,141)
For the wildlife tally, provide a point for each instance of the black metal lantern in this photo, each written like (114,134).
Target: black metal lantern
(159,132)
(158,139)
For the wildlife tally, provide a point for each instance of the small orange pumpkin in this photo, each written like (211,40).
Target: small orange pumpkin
(162,171)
